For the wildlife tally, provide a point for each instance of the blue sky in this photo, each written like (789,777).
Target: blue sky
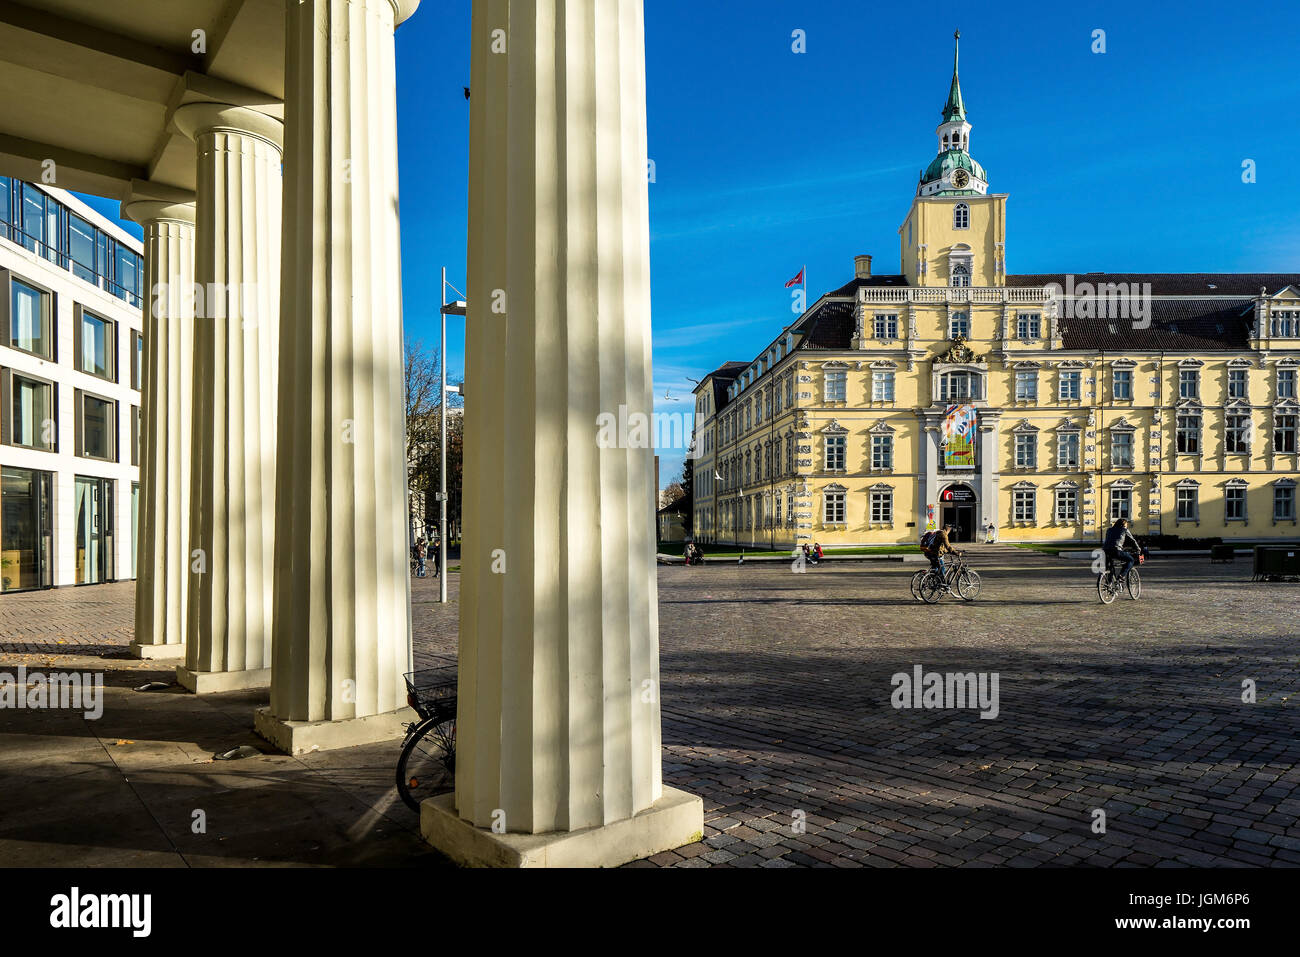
(767,160)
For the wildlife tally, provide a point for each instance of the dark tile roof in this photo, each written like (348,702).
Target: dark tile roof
(829,326)
(1215,325)
(1174,284)
(723,376)
(1177,325)
(853,285)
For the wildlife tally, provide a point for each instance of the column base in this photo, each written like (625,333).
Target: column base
(677,818)
(299,737)
(151,652)
(208,682)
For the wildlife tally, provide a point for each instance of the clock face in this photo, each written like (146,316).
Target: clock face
(960,178)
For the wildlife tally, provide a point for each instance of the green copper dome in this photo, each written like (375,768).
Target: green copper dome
(951,160)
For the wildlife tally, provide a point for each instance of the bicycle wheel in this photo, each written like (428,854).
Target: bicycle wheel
(968,585)
(916,584)
(931,588)
(1134,584)
(1106,589)
(428,762)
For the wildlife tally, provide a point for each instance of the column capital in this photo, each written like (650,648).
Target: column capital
(402,10)
(148,202)
(196,119)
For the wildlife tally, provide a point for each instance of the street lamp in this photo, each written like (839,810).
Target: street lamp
(455,308)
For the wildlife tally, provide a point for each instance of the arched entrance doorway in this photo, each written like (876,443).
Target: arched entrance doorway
(958,507)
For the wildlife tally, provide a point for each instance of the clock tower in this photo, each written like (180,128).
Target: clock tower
(955,232)
(953,172)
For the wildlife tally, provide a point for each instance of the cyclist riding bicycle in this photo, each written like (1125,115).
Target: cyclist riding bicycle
(1116,547)
(940,546)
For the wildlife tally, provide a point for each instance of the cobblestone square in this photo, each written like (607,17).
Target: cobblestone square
(776,695)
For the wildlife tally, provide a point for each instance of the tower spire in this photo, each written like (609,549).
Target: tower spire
(954,109)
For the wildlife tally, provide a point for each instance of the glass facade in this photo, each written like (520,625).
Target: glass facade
(48,228)
(26,541)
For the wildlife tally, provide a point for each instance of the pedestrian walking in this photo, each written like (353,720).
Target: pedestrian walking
(421,553)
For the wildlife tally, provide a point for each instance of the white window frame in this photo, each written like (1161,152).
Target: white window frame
(880,504)
(1067,441)
(1070,377)
(836,381)
(835,448)
(1065,510)
(1026,450)
(1124,376)
(882,452)
(1024,504)
(882,386)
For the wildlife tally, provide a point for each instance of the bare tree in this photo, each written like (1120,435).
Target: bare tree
(423,405)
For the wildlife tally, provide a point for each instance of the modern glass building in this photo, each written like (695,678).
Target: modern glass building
(71,362)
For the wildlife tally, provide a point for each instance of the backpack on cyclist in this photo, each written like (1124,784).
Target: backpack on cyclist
(927,540)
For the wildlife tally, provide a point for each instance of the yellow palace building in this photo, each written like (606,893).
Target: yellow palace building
(1049,405)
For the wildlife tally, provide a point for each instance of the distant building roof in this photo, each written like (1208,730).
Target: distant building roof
(1172,283)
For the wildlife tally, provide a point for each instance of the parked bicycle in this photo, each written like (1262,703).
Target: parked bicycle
(958,578)
(1109,582)
(427,765)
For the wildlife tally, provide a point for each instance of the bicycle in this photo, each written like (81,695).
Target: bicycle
(1109,583)
(958,577)
(427,765)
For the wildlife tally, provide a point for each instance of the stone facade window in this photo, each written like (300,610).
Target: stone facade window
(835,447)
(1121,385)
(882,506)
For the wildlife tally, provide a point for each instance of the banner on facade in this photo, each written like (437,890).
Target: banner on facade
(929,518)
(959,437)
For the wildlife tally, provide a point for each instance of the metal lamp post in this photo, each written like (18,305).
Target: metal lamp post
(456,308)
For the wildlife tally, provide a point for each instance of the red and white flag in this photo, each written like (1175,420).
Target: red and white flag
(796,281)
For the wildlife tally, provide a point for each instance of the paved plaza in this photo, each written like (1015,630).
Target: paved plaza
(776,696)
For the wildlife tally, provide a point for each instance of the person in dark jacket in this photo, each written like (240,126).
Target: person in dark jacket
(1117,546)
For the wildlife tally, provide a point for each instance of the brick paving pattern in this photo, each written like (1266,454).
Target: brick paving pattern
(776,705)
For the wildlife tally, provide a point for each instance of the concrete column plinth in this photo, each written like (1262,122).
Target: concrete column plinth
(677,818)
(148,652)
(299,737)
(208,682)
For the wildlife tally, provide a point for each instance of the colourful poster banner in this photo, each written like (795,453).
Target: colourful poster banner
(929,518)
(959,437)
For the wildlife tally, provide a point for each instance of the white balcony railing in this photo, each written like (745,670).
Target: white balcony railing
(878,295)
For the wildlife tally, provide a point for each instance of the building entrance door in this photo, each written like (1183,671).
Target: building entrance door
(94,511)
(959,509)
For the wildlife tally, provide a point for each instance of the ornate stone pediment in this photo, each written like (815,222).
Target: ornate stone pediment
(959,353)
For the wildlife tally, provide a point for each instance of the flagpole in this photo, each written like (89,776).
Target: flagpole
(805,287)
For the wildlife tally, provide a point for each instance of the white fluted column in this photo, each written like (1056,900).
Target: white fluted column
(237,269)
(342,588)
(558,721)
(162,562)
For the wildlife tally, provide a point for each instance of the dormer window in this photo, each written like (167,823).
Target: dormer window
(961,216)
